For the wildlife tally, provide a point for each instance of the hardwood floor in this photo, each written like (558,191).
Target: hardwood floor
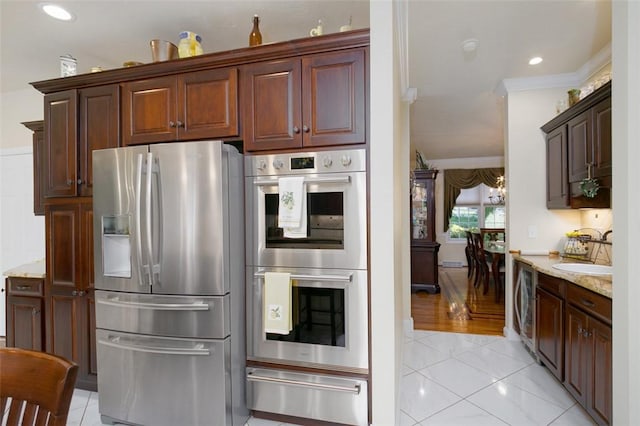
(459,307)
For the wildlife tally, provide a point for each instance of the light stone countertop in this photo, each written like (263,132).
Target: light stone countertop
(601,284)
(35,269)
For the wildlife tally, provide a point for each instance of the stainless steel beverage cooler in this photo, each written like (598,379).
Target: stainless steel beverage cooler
(169,278)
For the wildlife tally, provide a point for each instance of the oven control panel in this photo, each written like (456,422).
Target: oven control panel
(352,160)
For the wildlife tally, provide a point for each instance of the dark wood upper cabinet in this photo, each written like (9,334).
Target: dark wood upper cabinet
(579,144)
(76,123)
(99,129)
(557,174)
(37,127)
(188,106)
(60,167)
(316,100)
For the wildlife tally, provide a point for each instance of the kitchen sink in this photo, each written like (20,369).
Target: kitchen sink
(584,268)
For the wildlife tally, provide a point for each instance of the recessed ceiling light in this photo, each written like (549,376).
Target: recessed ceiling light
(57,12)
(535,60)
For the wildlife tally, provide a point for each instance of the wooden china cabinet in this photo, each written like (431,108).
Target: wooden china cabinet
(424,248)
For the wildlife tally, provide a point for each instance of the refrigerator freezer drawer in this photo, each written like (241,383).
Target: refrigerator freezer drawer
(178,316)
(312,396)
(163,381)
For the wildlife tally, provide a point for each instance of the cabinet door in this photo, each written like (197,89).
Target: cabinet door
(580,146)
(334,88)
(25,323)
(272,114)
(557,176)
(599,403)
(60,156)
(87,320)
(602,139)
(208,104)
(149,111)
(577,355)
(99,129)
(550,331)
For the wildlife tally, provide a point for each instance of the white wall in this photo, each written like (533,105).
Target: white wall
(21,232)
(626,205)
(525,167)
(386,286)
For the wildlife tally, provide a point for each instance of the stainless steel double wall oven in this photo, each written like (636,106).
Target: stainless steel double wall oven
(328,270)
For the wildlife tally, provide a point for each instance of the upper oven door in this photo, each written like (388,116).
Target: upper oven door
(336,223)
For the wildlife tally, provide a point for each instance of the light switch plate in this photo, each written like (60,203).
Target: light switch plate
(533,231)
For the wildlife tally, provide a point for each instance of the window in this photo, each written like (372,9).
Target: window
(473,210)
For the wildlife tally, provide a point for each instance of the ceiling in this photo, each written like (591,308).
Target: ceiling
(457,112)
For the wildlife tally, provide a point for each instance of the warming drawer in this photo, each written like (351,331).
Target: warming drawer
(312,396)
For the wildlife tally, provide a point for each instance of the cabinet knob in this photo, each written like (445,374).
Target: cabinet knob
(305,128)
(35,311)
(80,182)
(69,182)
(179,124)
(296,129)
(172,124)
(74,293)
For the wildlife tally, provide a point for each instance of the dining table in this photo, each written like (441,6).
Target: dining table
(495,252)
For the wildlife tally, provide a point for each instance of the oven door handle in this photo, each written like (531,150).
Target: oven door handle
(355,389)
(319,179)
(304,277)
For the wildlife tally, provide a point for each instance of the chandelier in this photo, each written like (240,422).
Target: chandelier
(500,194)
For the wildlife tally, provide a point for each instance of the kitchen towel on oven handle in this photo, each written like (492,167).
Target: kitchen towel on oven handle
(292,207)
(277,303)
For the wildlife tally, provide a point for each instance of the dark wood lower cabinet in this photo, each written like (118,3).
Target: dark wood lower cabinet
(424,267)
(25,313)
(550,331)
(577,346)
(70,321)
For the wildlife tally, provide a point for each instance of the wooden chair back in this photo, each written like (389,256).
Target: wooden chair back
(36,387)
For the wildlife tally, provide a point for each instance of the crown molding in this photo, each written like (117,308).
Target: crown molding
(553,81)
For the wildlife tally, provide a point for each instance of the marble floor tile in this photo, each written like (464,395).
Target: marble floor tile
(515,406)
(418,355)
(514,349)
(421,397)
(574,416)
(406,420)
(491,362)
(537,380)
(458,377)
(463,414)
(449,343)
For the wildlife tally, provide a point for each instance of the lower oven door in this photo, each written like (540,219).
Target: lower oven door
(165,381)
(313,396)
(329,319)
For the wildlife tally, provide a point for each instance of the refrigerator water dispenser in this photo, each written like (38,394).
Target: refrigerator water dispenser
(116,246)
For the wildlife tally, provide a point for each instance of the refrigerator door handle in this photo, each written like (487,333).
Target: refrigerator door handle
(147,218)
(115,342)
(115,301)
(138,220)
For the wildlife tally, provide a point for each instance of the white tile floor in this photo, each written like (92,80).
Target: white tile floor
(452,379)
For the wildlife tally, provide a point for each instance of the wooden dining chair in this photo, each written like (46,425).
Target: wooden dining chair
(469,252)
(482,266)
(36,387)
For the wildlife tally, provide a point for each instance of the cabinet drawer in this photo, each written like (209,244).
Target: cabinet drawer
(25,286)
(555,286)
(590,302)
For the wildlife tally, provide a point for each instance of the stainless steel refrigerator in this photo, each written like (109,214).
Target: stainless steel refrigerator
(169,260)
